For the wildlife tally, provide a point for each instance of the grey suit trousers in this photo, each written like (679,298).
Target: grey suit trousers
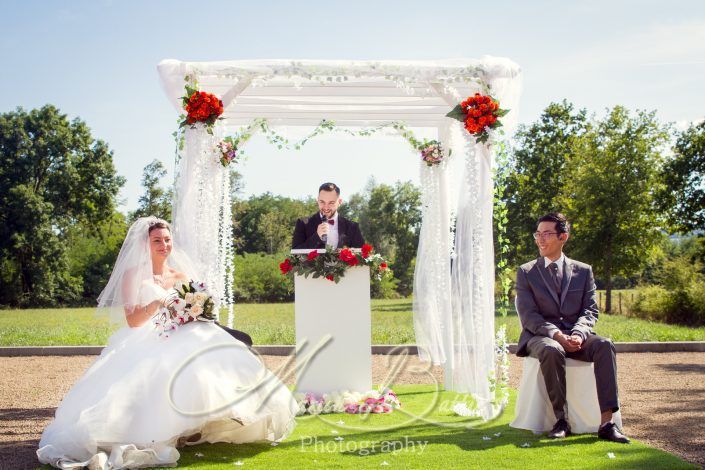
(594,349)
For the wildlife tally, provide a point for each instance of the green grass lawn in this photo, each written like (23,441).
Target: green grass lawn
(392,323)
(425,437)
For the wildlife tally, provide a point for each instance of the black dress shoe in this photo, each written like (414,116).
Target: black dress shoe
(610,432)
(560,430)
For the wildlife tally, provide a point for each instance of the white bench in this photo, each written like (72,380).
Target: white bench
(533,408)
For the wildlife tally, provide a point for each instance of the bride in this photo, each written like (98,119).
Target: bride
(147,394)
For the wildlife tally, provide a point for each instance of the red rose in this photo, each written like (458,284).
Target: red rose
(383,266)
(312,255)
(366,249)
(472,126)
(201,106)
(330,278)
(348,257)
(286,266)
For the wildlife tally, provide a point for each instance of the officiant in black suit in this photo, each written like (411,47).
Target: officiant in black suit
(555,300)
(327,227)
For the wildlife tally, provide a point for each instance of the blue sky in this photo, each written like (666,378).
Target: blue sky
(97,60)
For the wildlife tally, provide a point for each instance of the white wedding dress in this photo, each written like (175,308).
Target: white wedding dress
(122,413)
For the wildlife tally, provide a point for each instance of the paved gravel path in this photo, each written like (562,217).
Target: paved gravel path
(663,398)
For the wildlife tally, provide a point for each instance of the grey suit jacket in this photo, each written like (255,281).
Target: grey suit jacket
(540,310)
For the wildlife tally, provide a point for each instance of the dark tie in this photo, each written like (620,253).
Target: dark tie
(553,269)
(331,221)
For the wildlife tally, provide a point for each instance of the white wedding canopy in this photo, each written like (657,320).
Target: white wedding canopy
(454,277)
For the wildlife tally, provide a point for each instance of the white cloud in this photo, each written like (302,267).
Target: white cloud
(683,124)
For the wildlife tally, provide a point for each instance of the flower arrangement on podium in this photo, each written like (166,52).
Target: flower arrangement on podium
(202,107)
(333,263)
(189,302)
(379,401)
(479,113)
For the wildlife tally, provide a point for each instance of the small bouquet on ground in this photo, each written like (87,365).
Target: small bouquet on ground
(228,151)
(432,152)
(479,113)
(202,107)
(189,302)
(333,263)
(374,401)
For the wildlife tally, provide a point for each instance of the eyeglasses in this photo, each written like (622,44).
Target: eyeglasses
(538,235)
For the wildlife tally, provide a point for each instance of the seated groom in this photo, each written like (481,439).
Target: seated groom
(555,300)
(327,227)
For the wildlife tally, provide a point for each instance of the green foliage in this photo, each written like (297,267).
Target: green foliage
(390,220)
(611,174)
(503,271)
(53,175)
(537,174)
(258,279)
(155,200)
(92,249)
(684,176)
(384,287)
(679,296)
(265,223)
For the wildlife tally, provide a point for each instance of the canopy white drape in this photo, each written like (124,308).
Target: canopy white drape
(454,279)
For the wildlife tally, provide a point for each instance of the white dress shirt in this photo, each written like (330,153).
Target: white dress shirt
(559,262)
(333,231)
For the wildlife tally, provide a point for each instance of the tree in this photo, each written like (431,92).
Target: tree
(611,177)
(537,174)
(683,197)
(390,220)
(155,200)
(276,231)
(53,175)
(266,222)
(91,252)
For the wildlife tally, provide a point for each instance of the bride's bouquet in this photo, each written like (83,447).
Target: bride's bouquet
(189,302)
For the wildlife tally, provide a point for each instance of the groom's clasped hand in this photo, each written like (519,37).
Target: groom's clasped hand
(570,343)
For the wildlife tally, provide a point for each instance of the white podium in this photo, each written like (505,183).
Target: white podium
(338,317)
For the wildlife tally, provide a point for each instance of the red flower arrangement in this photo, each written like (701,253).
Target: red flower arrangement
(333,263)
(201,106)
(348,257)
(479,113)
(286,266)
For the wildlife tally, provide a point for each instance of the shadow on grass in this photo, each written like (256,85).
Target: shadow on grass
(401,307)
(414,439)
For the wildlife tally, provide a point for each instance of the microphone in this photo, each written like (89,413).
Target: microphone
(324,237)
